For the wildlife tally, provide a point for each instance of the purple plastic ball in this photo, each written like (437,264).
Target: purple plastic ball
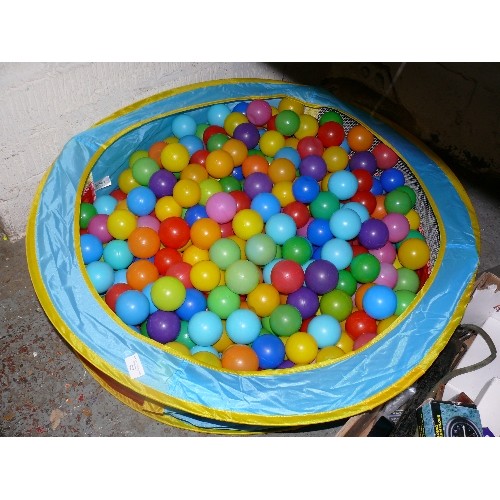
(163,326)
(321,276)
(286,364)
(247,133)
(363,160)
(162,183)
(373,234)
(305,300)
(256,183)
(313,166)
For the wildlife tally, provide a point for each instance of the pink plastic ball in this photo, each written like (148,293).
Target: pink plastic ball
(387,253)
(398,226)
(221,207)
(98,227)
(148,221)
(302,231)
(259,112)
(387,276)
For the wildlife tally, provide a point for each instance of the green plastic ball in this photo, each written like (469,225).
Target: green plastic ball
(365,268)
(242,276)
(331,116)
(347,283)
(222,301)
(224,252)
(298,249)
(285,320)
(336,303)
(403,299)
(260,249)
(287,122)
(398,201)
(407,280)
(324,205)
(87,211)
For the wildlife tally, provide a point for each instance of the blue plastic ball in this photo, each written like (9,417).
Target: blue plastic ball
(243,326)
(266,204)
(280,227)
(305,188)
(270,350)
(345,224)
(377,186)
(338,252)
(343,184)
(391,179)
(117,254)
(120,276)
(290,154)
(217,114)
(105,204)
(195,213)
(360,209)
(194,302)
(325,329)
(318,232)
(192,143)
(132,307)
(379,302)
(147,292)
(101,275)
(205,328)
(91,247)
(183,125)
(141,200)
(241,107)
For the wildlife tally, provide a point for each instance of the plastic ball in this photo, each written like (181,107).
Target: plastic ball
(101,275)
(232,120)
(260,249)
(217,113)
(329,352)
(98,226)
(345,224)
(379,301)
(174,157)
(143,169)
(87,212)
(346,282)
(266,205)
(248,134)
(239,358)
(178,348)
(205,328)
(215,142)
(258,112)
(398,201)
(242,276)
(126,181)
(331,134)
(162,183)
(364,161)
(223,301)
(281,169)
(194,302)
(365,267)
(398,226)
(140,273)
(362,340)
(91,247)
(143,242)
(285,320)
(338,252)
(280,227)
(404,299)
(149,221)
(208,358)
(168,293)
(336,158)
(301,348)
(243,326)
(270,351)
(305,300)
(330,116)
(413,253)
(387,276)
(324,205)
(343,184)
(263,299)
(181,271)
(204,233)
(305,189)
(105,204)
(359,138)
(391,179)
(373,234)
(385,156)
(359,323)
(247,223)
(256,183)
(271,142)
(287,276)
(309,145)
(336,303)
(132,307)
(289,153)
(407,279)
(321,276)
(205,275)
(287,122)
(325,329)
(163,326)
(113,292)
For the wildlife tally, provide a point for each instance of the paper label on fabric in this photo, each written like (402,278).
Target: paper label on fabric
(134,366)
(102,183)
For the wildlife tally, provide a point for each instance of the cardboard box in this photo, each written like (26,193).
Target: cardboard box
(483,311)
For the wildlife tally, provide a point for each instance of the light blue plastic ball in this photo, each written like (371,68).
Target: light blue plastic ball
(141,200)
(117,254)
(91,247)
(280,227)
(183,125)
(217,114)
(132,307)
(290,154)
(243,326)
(360,209)
(205,328)
(345,224)
(338,252)
(192,143)
(266,204)
(101,275)
(325,329)
(343,184)
(266,271)
(105,204)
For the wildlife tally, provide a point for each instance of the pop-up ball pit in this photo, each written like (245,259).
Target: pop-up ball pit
(243,256)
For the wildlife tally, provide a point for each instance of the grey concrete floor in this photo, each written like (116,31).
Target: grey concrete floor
(46,391)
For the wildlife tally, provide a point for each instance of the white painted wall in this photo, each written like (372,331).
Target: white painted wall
(44,104)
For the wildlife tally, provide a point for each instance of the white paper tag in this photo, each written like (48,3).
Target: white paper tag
(101,184)
(134,366)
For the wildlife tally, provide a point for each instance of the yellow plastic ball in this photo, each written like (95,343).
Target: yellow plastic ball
(263,299)
(232,120)
(247,223)
(291,142)
(224,342)
(308,127)
(329,352)
(237,149)
(345,342)
(205,275)
(336,158)
(219,163)
(166,206)
(141,153)
(193,254)
(186,192)
(126,181)
(171,139)
(413,219)
(413,253)
(208,358)
(271,142)
(179,348)
(283,191)
(121,223)
(385,323)
(301,348)
(292,104)
(174,157)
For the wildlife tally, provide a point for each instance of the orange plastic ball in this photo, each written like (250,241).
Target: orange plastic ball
(281,169)
(379,212)
(301,348)
(237,149)
(143,242)
(195,172)
(359,138)
(240,357)
(219,163)
(263,299)
(154,152)
(204,233)
(254,163)
(140,273)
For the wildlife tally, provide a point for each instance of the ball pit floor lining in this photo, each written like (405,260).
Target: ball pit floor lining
(240,421)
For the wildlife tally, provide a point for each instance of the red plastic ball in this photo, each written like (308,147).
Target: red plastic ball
(331,134)
(299,212)
(199,157)
(367,199)
(114,291)
(271,124)
(174,232)
(365,179)
(211,130)
(287,276)
(310,145)
(385,156)
(243,201)
(181,271)
(359,323)
(165,257)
